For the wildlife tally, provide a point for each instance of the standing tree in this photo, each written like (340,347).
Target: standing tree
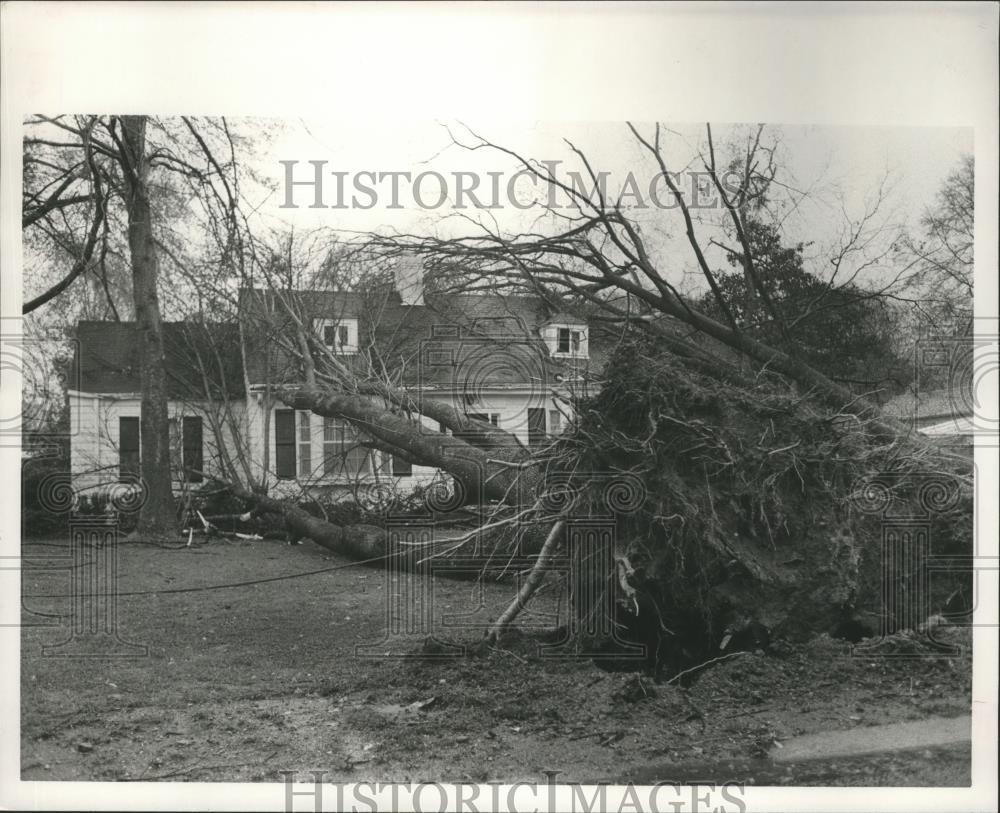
(157,518)
(943,280)
(118,194)
(844,331)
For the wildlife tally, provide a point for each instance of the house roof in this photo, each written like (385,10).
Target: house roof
(463,342)
(452,341)
(106,359)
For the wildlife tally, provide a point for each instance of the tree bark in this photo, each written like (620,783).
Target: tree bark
(157,517)
(531,584)
(505,474)
(355,541)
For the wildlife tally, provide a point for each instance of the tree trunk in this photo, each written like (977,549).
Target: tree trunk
(366,543)
(504,474)
(355,541)
(157,518)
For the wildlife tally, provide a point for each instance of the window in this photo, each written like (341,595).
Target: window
(284,443)
(555,421)
(493,418)
(191,449)
(341,453)
(563,346)
(336,336)
(340,335)
(569,341)
(128,448)
(536,426)
(305,445)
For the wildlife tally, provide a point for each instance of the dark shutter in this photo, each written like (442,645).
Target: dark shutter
(536,426)
(284,443)
(401,468)
(192,446)
(128,448)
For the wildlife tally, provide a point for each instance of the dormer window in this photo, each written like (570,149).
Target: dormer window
(336,335)
(340,335)
(569,341)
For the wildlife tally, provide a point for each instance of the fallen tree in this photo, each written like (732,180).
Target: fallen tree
(765,505)
(496,468)
(761,503)
(756,462)
(755,509)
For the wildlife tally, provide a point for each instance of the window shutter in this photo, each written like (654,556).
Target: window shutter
(536,426)
(400,467)
(192,449)
(128,448)
(284,443)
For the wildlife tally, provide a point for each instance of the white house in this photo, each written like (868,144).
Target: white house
(507,360)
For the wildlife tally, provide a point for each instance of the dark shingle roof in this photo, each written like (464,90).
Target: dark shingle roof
(457,341)
(450,340)
(106,359)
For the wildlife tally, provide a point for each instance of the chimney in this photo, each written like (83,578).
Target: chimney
(409,272)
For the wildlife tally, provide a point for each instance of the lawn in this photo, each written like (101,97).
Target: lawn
(251,668)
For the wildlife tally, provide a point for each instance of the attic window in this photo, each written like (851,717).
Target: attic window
(340,335)
(570,341)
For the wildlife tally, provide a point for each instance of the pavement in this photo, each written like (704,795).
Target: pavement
(933,732)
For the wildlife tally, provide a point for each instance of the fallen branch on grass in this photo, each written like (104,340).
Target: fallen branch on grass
(700,666)
(531,584)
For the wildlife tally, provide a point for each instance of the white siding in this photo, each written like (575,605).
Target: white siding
(94,443)
(94,457)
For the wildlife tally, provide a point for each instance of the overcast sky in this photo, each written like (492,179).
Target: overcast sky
(833,164)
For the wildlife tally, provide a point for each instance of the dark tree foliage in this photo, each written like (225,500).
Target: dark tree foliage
(838,328)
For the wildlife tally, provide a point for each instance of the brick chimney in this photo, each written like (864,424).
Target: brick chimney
(409,273)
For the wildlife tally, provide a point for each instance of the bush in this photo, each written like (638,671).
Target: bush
(44,485)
